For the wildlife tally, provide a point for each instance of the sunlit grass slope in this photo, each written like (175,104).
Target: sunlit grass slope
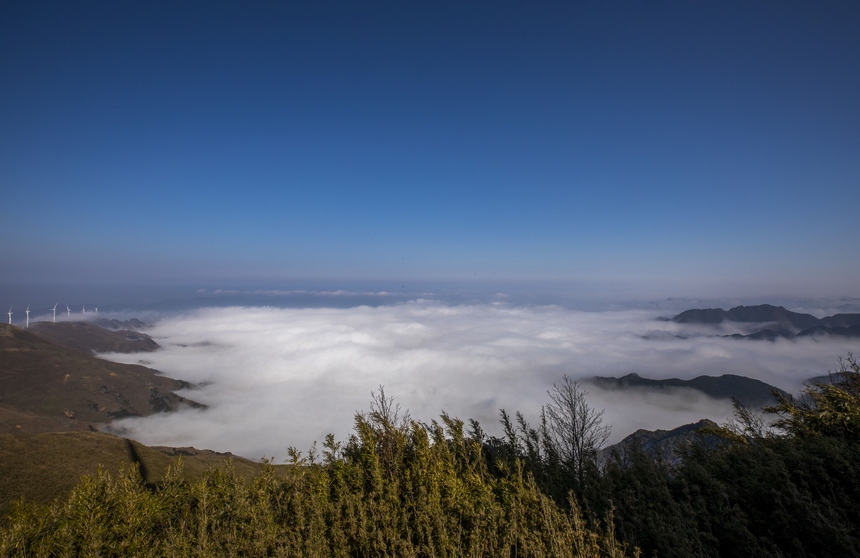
(42,467)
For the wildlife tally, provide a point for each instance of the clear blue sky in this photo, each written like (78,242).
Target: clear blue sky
(706,147)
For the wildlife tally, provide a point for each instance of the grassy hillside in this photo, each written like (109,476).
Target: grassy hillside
(47,387)
(54,395)
(395,489)
(88,337)
(42,467)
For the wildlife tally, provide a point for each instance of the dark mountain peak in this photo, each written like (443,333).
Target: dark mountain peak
(781,322)
(841,320)
(748,314)
(665,445)
(758,308)
(748,391)
(851,331)
(701,316)
(770,313)
(680,430)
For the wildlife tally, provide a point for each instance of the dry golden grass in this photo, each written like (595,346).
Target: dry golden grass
(46,466)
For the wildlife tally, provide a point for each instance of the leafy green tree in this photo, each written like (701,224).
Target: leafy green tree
(830,408)
(784,487)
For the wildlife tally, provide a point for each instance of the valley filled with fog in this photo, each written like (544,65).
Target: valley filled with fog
(278,377)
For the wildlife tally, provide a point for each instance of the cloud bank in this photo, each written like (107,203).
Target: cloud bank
(280,377)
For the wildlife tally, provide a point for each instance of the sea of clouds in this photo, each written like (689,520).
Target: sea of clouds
(278,377)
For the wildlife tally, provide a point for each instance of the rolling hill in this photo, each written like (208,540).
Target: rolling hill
(45,386)
(54,395)
(92,337)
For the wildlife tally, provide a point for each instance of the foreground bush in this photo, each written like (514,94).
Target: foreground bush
(786,483)
(397,488)
(788,486)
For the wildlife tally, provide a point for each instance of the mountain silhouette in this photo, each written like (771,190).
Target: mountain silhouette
(779,323)
(750,392)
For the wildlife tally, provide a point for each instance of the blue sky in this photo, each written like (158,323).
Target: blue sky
(654,147)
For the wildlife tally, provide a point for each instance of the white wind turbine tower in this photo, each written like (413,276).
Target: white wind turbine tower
(10,315)
(68,311)
(84,309)
(28,315)
(54,309)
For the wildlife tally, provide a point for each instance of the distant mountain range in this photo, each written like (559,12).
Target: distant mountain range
(750,392)
(776,322)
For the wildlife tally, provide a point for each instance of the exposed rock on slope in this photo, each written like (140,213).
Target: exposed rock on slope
(666,445)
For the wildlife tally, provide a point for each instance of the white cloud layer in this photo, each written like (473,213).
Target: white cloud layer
(275,378)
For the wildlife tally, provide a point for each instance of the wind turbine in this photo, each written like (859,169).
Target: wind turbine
(54,309)
(10,315)
(68,312)
(84,309)
(28,315)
